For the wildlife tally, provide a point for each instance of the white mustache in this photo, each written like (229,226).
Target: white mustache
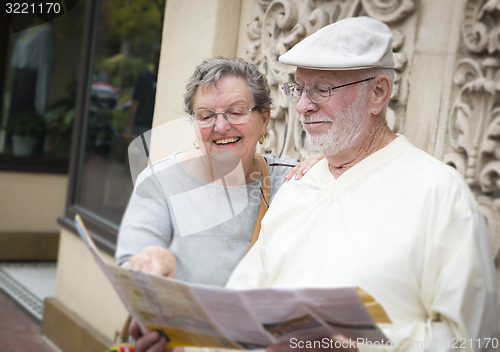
(313,118)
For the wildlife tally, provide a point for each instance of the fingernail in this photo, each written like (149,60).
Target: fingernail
(297,176)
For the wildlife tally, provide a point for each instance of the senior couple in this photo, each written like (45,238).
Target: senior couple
(375,212)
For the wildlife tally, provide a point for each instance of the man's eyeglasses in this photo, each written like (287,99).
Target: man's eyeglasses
(235,115)
(317,92)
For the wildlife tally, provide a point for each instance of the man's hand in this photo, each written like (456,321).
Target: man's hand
(154,260)
(301,169)
(151,342)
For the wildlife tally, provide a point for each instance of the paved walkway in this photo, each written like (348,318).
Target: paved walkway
(18,331)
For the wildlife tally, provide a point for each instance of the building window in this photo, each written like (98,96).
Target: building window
(37,110)
(118,104)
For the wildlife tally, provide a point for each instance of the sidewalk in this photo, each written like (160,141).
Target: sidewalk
(18,331)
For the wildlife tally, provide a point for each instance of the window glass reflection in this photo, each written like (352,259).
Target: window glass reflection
(121,101)
(40,86)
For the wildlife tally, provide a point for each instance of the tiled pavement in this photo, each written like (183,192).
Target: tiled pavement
(23,287)
(18,331)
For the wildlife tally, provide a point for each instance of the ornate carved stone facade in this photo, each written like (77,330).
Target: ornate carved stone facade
(474,120)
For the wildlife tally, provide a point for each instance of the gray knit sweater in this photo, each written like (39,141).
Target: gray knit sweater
(207,227)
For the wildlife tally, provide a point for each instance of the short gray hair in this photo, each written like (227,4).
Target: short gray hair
(374,72)
(213,69)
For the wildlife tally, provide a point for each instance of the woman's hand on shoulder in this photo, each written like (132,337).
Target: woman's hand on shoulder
(154,260)
(301,168)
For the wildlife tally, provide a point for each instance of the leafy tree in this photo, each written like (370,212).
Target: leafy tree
(138,22)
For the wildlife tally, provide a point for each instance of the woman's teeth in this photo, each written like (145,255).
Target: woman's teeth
(227,141)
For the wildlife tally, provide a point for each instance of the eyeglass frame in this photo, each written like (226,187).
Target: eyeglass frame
(214,118)
(330,89)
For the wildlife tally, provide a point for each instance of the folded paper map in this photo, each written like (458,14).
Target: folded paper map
(200,315)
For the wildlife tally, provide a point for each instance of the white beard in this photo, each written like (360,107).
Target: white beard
(346,128)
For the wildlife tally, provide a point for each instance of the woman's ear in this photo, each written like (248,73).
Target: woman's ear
(381,93)
(266,116)
(198,142)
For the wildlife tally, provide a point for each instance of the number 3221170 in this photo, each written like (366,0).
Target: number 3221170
(480,343)
(32,8)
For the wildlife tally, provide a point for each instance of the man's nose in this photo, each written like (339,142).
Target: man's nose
(221,125)
(305,104)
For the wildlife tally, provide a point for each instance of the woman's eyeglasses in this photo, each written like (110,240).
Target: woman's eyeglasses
(235,115)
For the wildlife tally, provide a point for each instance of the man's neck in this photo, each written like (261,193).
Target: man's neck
(365,146)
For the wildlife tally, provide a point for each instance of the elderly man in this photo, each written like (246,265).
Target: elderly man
(377,212)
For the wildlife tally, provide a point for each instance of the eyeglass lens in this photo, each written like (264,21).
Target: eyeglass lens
(317,92)
(233,114)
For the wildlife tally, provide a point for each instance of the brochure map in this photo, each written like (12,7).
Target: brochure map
(200,315)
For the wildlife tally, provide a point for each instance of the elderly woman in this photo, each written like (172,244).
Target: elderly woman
(174,224)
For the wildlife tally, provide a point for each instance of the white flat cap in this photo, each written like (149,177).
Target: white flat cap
(349,44)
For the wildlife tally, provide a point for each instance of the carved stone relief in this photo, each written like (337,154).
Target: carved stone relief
(474,123)
(280,24)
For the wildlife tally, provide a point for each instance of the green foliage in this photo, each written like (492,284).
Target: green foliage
(127,35)
(135,20)
(122,70)
(116,118)
(60,115)
(26,124)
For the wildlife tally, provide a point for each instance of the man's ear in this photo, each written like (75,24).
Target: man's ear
(382,89)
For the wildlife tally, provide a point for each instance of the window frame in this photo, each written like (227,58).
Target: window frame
(103,232)
(4,44)
(34,164)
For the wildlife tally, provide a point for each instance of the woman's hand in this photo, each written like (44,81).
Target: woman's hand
(301,169)
(153,260)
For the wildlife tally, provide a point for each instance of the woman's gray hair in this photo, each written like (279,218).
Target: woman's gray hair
(213,69)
